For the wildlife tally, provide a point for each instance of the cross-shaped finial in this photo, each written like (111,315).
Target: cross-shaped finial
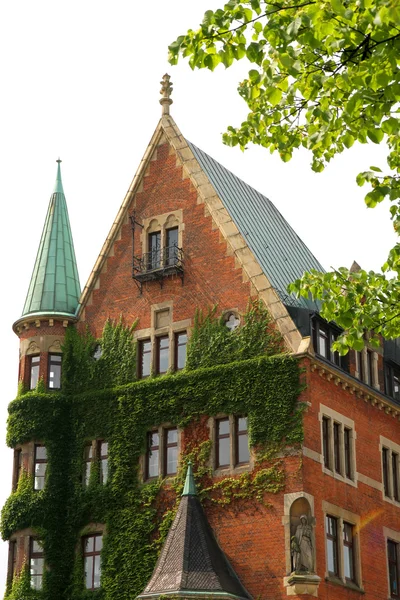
(166,90)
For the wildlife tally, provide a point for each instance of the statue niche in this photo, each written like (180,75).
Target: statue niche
(302,545)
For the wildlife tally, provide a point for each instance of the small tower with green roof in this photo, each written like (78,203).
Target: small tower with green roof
(53,296)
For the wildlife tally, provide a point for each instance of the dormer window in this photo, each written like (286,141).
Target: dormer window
(324,335)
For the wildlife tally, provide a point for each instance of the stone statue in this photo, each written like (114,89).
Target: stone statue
(302,547)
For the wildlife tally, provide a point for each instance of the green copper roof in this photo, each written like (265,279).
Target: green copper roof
(190,486)
(54,286)
(282,255)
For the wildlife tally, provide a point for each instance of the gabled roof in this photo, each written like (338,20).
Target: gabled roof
(191,563)
(54,287)
(282,255)
(265,262)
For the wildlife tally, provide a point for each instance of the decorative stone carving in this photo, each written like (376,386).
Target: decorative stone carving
(33,348)
(56,346)
(302,547)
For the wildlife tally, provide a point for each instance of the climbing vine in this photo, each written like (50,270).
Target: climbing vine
(100,399)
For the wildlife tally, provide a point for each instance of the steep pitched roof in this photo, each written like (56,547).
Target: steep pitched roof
(54,286)
(191,563)
(282,255)
(224,207)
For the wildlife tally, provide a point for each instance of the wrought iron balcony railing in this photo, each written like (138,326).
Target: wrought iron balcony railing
(158,264)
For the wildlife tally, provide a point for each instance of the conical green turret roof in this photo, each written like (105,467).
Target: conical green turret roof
(54,286)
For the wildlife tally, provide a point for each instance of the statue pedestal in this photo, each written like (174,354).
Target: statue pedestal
(302,583)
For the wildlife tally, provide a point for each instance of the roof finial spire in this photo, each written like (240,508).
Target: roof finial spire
(190,486)
(58,188)
(166,90)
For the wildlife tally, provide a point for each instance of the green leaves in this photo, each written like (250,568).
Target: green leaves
(327,75)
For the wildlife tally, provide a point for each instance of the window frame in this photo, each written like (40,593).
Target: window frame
(141,354)
(51,362)
(330,333)
(390,480)
(338,450)
(392,374)
(32,366)
(344,518)
(177,345)
(234,466)
(102,458)
(93,554)
(396,563)
(36,555)
(159,340)
(237,435)
(39,461)
(162,449)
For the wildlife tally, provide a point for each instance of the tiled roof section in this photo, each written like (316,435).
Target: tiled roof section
(282,255)
(191,562)
(54,286)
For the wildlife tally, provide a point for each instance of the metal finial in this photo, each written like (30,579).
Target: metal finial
(59,160)
(166,90)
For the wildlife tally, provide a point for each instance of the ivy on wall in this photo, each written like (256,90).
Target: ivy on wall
(101,400)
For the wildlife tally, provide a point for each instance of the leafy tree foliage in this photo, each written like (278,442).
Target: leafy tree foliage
(325,74)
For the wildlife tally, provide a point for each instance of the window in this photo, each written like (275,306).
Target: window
(336,446)
(40,466)
(347,453)
(152,455)
(17,468)
(55,371)
(171,247)
(223,448)
(342,559)
(92,545)
(180,350)
(326,441)
(162,355)
(242,441)
(231,442)
(171,451)
(368,378)
(34,371)
(87,463)
(232,320)
(337,433)
(95,451)
(103,458)
(392,381)
(36,564)
(324,335)
(144,358)
(348,551)
(390,470)
(393,549)
(332,544)
(162,453)
(154,254)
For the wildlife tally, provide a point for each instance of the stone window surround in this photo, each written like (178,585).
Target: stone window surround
(334,416)
(375,374)
(394,536)
(349,517)
(161,223)
(153,332)
(161,430)
(232,469)
(392,447)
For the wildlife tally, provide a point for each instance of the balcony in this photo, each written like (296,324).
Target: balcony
(157,265)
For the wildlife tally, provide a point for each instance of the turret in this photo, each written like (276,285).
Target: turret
(52,299)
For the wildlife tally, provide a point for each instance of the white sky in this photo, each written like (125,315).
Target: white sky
(80,80)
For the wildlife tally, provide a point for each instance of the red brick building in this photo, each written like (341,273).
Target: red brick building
(190,235)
